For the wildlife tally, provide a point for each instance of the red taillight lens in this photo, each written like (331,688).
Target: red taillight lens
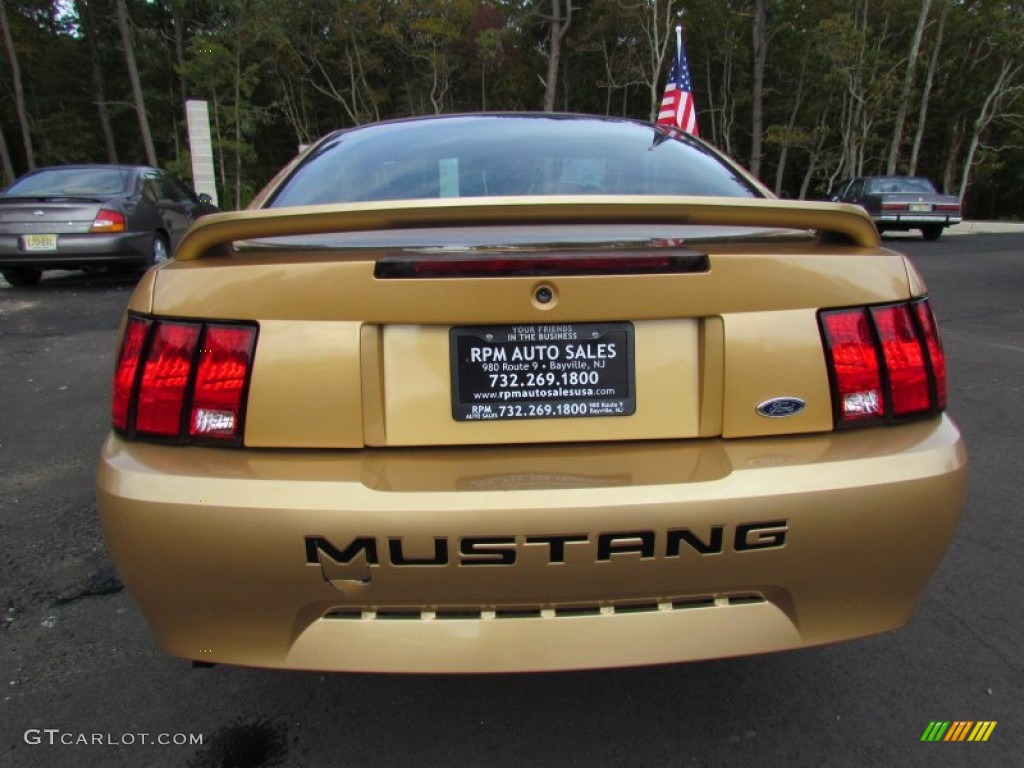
(127,365)
(934,344)
(182,380)
(108,221)
(904,360)
(220,382)
(165,377)
(855,365)
(884,362)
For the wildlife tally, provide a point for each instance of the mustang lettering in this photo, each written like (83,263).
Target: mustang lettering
(504,550)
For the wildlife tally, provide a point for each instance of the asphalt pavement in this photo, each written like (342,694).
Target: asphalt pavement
(83,682)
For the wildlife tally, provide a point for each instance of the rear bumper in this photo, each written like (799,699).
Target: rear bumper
(915,220)
(78,250)
(542,557)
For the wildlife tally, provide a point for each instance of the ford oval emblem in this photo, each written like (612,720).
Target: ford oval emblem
(781,407)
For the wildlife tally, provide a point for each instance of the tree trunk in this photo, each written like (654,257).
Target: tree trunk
(219,142)
(98,89)
(124,24)
(176,136)
(862,146)
(855,99)
(955,142)
(798,101)
(760,38)
(238,118)
(812,161)
(5,160)
(989,110)
(933,65)
(557,27)
(711,107)
(293,108)
(19,92)
(566,85)
(440,82)
(658,31)
(728,103)
(179,54)
(908,82)
(851,115)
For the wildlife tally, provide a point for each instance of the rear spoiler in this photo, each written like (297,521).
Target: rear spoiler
(215,233)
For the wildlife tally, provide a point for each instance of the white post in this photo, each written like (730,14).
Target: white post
(201,148)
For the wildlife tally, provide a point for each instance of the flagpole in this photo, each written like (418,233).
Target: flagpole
(679,50)
(679,32)
(677,106)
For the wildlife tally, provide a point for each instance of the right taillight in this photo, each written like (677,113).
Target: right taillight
(884,362)
(182,380)
(108,221)
(936,356)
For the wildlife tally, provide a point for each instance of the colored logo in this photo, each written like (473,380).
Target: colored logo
(781,407)
(958,730)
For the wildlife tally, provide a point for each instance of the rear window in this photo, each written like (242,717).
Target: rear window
(73,182)
(488,156)
(899,186)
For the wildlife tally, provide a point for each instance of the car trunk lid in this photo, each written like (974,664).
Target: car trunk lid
(349,355)
(48,215)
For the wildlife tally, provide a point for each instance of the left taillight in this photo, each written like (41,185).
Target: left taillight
(127,369)
(221,376)
(183,380)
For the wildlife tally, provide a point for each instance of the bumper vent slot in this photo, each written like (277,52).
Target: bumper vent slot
(545,612)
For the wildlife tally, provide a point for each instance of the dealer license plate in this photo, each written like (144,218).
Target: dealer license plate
(920,207)
(502,372)
(39,242)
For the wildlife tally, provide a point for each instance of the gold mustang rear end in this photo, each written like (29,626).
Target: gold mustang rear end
(473,433)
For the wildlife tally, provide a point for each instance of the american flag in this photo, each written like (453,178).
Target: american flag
(677,107)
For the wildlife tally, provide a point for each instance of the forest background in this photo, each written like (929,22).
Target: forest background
(802,92)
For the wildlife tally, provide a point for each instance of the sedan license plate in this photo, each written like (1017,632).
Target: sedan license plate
(39,242)
(504,372)
(920,207)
